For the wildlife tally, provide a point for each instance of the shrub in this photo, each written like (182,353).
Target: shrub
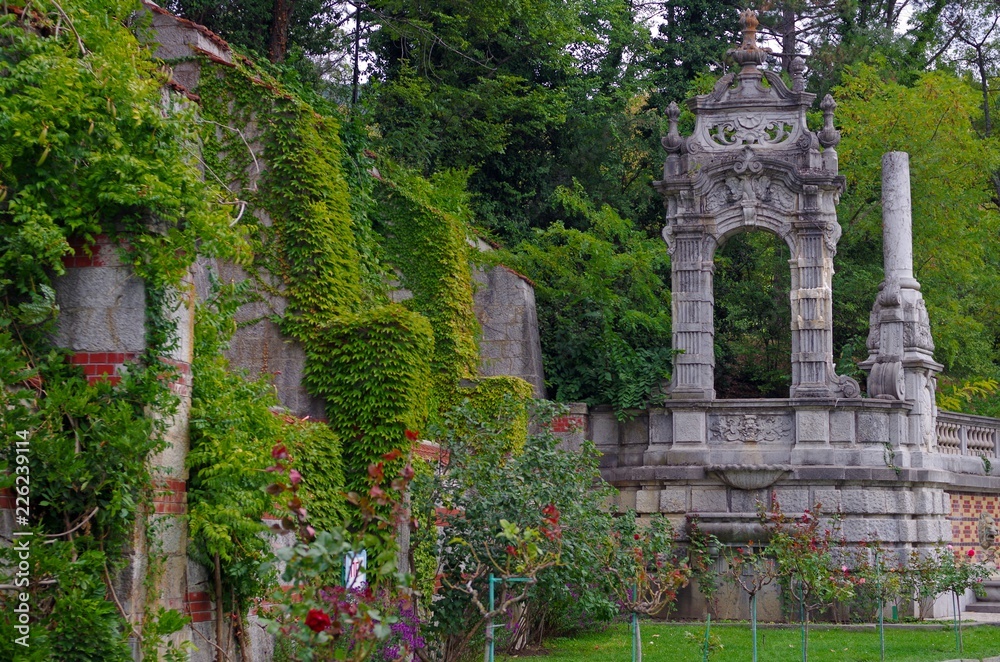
(483,488)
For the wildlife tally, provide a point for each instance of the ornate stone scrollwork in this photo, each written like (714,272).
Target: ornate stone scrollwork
(668,237)
(887,380)
(750,477)
(752,162)
(874,331)
(831,235)
(751,428)
(762,188)
(750,130)
(749,190)
(748,162)
(917,333)
(849,387)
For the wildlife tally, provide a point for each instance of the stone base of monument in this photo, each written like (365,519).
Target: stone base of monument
(722,460)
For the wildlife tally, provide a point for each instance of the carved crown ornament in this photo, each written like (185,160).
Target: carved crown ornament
(753,107)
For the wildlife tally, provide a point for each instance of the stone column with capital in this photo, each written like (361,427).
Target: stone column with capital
(900,359)
(691,303)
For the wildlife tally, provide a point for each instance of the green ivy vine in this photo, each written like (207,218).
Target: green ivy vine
(90,145)
(426,237)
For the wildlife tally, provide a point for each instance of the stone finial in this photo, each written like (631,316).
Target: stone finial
(673,142)
(797,69)
(829,137)
(749,55)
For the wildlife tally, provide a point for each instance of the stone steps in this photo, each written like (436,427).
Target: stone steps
(992,588)
(985,607)
(990,603)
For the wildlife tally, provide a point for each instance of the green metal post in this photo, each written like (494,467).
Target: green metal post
(753,623)
(802,618)
(490,646)
(635,624)
(489,624)
(635,630)
(881,626)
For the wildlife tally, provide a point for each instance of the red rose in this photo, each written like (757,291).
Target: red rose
(511,550)
(317,620)
(971,553)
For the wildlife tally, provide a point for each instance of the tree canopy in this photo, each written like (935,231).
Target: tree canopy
(554,109)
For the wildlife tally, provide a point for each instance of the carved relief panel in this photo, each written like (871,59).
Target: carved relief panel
(750,428)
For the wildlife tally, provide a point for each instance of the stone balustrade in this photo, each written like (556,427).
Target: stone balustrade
(965,434)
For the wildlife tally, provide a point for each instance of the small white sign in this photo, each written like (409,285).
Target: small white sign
(355,564)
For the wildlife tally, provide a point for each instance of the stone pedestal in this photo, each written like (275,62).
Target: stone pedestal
(901,361)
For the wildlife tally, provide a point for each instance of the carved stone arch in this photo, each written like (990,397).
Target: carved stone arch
(751,162)
(732,223)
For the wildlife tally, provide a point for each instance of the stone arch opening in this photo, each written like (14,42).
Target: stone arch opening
(752,162)
(753,337)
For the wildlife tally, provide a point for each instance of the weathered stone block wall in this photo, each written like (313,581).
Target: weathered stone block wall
(259,347)
(102,309)
(505,307)
(719,460)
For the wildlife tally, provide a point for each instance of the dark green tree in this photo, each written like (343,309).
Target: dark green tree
(274,28)
(603,306)
(753,339)
(692,39)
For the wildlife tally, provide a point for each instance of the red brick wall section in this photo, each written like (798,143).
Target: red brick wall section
(7,499)
(182,385)
(102,365)
(199,607)
(100,253)
(964,517)
(108,365)
(429,451)
(170,497)
(569,423)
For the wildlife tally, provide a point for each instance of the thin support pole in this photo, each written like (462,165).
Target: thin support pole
(753,623)
(636,637)
(958,622)
(708,633)
(488,656)
(881,607)
(881,626)
(802,618)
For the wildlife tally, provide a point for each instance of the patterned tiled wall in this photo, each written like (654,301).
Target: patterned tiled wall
(965,510)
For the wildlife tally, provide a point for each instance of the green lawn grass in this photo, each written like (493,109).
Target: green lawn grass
(669,643)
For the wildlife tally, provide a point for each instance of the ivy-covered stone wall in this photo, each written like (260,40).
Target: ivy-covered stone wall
(217,281)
